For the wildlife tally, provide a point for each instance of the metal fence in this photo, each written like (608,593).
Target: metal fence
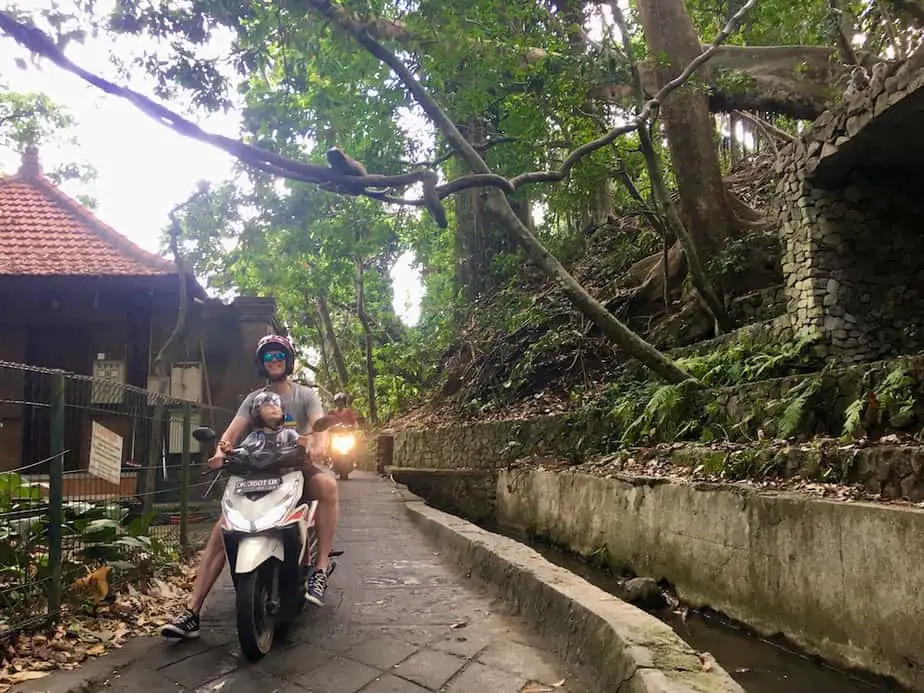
(92,473)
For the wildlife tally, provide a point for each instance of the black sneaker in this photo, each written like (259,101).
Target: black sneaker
(315,587)
(184,627)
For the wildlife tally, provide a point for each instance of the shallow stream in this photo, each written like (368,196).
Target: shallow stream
(759,665)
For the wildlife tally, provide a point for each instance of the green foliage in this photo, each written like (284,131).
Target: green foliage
(890,404)
(800,401)
(92,533)
(853,419)
(648,412)
(666,416)
(745,362)
(515,74)
(34,119)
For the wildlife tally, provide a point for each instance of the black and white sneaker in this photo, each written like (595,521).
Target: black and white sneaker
(316,587)
(184,627)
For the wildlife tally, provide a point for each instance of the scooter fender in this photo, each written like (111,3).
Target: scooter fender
(254,551)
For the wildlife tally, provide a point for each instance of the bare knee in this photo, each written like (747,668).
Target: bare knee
(323,487)
(215,541)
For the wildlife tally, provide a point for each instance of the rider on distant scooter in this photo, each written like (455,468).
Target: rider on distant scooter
(343,437)
(342,409)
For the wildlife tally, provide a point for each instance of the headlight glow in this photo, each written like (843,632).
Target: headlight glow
(343,443)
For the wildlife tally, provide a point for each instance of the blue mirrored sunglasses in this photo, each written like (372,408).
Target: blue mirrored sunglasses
(273,356)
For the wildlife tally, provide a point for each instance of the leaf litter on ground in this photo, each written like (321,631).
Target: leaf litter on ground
(137,611)
(656,462)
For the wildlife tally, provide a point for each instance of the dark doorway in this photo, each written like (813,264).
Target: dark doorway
(60,348)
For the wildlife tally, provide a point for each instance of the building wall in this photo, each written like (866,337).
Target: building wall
(67,324)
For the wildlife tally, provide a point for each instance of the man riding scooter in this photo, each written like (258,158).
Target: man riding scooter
(275,359)
(343,437)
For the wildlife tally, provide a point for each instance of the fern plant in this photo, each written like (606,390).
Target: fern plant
(853,420)
(892,403)
(802,398)
(666,415)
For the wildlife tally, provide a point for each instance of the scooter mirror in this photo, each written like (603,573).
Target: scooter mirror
(204,434)
(324,423)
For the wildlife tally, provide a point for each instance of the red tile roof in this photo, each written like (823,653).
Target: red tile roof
(44,232)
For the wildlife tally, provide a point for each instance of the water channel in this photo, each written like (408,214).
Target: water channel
(759,665)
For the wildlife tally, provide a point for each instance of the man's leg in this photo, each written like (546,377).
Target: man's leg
(211,563)
(323,488)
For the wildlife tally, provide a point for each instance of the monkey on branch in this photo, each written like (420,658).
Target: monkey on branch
(341,162)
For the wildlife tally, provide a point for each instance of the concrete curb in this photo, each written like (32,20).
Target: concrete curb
(93,673)
(626,649)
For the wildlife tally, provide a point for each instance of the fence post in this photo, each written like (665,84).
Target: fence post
(56,493)
(184,477)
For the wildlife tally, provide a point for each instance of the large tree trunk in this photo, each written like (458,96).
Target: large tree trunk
(479,236)
(367,332)
(325,368)
(689,126)
(330,337)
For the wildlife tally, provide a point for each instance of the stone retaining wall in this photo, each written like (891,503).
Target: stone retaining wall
(493,444)
(849,206)
(840,579)
(736,411)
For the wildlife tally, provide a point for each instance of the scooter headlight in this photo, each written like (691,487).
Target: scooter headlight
(271,517)
(342,443)
(234,517)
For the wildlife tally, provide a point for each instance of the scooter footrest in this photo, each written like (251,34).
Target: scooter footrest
(335,553)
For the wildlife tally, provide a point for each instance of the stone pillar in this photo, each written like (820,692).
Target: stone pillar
(256,319)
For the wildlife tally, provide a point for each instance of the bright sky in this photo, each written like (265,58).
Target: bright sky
(143,168)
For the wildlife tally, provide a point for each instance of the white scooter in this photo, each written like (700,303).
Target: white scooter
(266,533)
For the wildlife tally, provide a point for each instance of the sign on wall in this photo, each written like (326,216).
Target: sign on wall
(105,454)
(186,381)
(159,385)
(106,393)
(176,432)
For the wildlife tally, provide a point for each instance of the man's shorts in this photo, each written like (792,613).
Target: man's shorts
(307,474)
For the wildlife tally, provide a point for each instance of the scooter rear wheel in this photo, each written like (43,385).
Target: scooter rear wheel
(256,625)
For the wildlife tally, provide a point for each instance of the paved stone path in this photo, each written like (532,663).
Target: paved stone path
(398,620)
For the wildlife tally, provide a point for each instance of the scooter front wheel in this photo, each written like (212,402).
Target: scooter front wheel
(256,623)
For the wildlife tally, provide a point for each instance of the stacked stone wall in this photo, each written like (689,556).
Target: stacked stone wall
(850,227)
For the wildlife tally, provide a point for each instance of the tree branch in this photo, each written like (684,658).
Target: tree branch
(648,110)
(423,98)
(39,43)
(443,158)
(769,129)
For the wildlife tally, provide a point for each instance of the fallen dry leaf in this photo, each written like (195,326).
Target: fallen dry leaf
(80,636)
(21,676)
(539,687)
(460,624)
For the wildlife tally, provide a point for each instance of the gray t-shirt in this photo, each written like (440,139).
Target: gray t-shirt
(300,403)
